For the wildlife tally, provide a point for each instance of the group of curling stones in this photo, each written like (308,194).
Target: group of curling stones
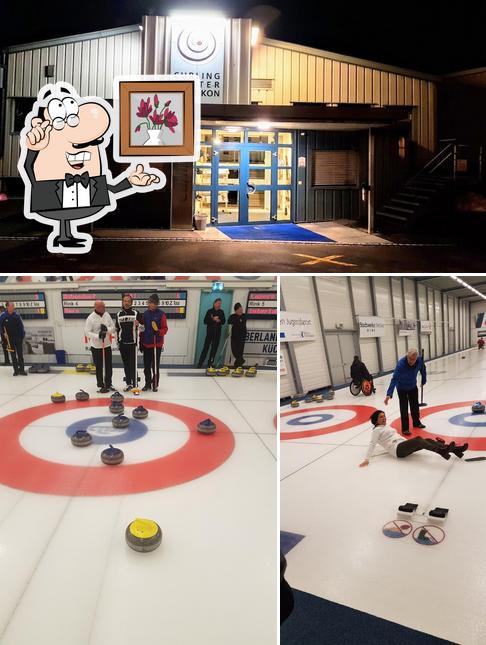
(237,372)
(327,395)
(141,535)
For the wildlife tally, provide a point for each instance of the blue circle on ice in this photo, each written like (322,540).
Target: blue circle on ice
(462,420)
(103,432)
(309,419)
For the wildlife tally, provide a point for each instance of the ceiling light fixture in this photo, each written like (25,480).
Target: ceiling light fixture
(468,286)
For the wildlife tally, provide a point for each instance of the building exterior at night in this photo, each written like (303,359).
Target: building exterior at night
(288,133)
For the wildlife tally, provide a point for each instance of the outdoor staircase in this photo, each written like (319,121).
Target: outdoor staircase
(432,189)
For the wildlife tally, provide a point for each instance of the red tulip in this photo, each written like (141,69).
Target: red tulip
(144,108)
(170,120)
(137,129)
(156,101)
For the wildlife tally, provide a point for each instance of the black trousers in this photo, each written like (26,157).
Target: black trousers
(127,352)
(406,398)
(17,355)
(148,364)
(406,448)
(212,341)
(237,349)
(102,380)
(6,356)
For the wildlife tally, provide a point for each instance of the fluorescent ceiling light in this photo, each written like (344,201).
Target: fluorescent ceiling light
(468,286)
(264,125)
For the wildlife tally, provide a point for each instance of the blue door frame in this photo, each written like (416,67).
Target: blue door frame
(245,186)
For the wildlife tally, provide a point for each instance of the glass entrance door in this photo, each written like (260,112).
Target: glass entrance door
(244,176)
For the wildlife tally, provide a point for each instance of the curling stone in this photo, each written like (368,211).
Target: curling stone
(317,398)
(223,371)
(294,403)
(116,397)
(81,438)
(120,421)
(238,372)
(33,369)
(206,427)
(116,407)
(42,368)
(80,367)
(251,371)
(81,396)
(308,399)
(57,397)
(139,412)
(143,535)
(211,371)
(477,408)
(91,368)
(112,456)
(407,509)
(329,395)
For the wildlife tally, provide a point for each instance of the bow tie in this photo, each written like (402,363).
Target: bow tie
(76,179)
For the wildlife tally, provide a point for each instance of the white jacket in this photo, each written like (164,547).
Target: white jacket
(387,438)
(92,329)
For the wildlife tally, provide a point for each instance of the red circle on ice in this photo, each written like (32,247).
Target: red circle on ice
(475,443)
(198,456)
(362,414)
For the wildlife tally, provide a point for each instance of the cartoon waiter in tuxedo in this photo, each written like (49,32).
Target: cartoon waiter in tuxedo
(64,166)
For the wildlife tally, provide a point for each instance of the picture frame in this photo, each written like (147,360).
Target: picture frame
(157,118)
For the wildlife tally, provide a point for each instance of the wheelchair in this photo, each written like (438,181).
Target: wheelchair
(364,386)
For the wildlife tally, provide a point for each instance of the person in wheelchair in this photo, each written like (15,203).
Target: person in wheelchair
(360,373)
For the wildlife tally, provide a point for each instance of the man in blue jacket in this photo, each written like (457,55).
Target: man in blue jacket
(13,332)
(405,380)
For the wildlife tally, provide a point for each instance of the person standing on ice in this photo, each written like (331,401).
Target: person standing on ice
(214,320)
(13,334)
(399,447)
(99,330)
(155,327)
(404,379)
(126,323)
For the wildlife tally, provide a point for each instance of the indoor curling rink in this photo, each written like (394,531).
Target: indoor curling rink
(67,574)
(335,511)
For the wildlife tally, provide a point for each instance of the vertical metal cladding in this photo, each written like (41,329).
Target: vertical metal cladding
(299,74)
(89,62)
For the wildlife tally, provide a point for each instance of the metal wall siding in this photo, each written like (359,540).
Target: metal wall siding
(306,77)
(88,65)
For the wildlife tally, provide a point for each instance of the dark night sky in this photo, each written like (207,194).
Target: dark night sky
(428,35)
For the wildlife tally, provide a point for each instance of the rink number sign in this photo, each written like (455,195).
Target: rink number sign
(261,305)
(80,304)
(30,305)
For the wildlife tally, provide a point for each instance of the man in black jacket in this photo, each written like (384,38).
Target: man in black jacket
(214,320)
(126,324)
(13,333)
(360,373)
(238,334)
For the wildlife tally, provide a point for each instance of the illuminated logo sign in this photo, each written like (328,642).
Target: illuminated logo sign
(197,47)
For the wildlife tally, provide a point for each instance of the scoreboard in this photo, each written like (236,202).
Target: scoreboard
(79,304)
(30,305)
(261,305)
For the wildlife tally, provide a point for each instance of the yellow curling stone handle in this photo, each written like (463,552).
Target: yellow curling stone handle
(142,528)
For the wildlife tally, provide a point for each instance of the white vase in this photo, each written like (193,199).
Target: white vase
(153,137)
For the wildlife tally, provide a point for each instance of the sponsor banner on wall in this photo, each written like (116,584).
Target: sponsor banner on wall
(261,305)
(425,327)
(261,342)
(197,47)
(480,320)
(283,365)
(29,305)
(407,327)
(371,326)
(296,327)
(79,304)
(39,341)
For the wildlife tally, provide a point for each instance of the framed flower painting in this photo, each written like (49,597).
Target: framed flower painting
(157,118)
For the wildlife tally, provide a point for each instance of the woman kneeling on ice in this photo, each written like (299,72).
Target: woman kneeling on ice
(399,447)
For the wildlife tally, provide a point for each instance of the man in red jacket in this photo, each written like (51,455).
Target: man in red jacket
(152,341)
